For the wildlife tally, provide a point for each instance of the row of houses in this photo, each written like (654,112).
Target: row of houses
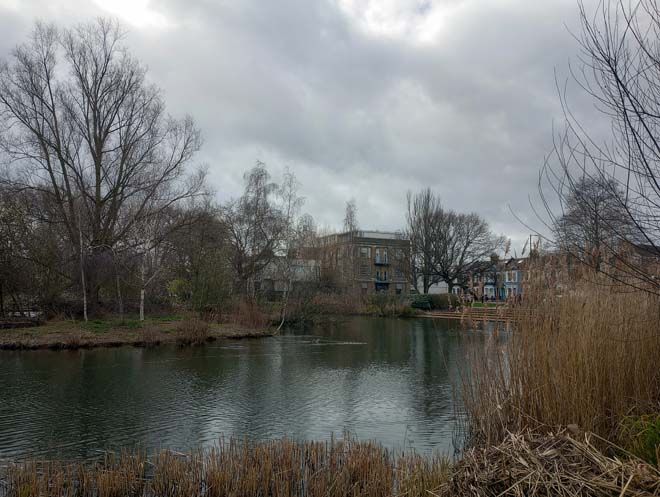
(491,280)
(368,262)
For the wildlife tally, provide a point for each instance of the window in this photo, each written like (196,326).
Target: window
(384,255)
(364,289)
(399,289)
(365,252)
(399,254)
(365,270)
(398,272)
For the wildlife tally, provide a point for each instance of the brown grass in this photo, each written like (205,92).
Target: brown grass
(73,335)
(588,358)
(247,315)
(548,466)
(193,332)
(280,468)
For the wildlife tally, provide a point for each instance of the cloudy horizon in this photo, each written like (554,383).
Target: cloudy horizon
(360,99)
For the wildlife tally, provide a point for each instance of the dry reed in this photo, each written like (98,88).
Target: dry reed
(235,468)
(192,332)
(586,357)
(545,466)
(247,315)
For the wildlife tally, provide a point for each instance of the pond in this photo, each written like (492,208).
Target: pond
(388,380)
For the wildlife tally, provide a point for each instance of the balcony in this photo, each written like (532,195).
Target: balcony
(381,261)
(383,278)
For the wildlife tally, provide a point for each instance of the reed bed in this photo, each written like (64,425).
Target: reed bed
(192,332)
(238,468)
(558,464)
(586,357)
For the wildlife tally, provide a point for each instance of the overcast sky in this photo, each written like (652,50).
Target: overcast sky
(360,98)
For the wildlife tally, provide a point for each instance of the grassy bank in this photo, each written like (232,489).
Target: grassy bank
(67,334)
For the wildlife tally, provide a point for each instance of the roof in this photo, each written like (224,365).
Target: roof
(367,234)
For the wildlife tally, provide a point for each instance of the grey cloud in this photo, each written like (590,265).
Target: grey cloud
(301,83)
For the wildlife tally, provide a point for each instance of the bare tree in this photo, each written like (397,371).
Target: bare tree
(350,216)
(85,129)
(460,243)
(617,68)
(421,225)
(445,245)
(289,249)
(255,227)
(594,218)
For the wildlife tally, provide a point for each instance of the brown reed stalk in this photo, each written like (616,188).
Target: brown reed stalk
(585,354)
(239,468)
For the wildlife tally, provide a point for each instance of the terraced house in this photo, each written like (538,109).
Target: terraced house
(500,280)
(367,262)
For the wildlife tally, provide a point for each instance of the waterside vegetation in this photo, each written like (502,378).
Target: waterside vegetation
(69,334)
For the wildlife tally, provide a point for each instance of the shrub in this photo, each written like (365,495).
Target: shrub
(385,304)
(435,302)
(422,301)
(247,315)
(149,337)
(407,312)
(444,302)
(192,332)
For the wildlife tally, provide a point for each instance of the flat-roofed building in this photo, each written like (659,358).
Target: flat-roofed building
(366,262)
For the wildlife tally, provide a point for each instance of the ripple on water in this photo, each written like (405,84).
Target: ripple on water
(387,380)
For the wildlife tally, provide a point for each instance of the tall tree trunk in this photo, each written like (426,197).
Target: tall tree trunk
(82,270)
(142,304)
(285,300)
(120,301)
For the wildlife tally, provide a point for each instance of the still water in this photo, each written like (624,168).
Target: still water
(388,380)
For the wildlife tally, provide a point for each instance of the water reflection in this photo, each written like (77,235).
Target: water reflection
(383,379)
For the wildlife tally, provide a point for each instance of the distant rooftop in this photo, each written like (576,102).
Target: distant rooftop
(387,235)
(374,234)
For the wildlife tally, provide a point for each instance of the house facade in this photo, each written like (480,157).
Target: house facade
(366,262)
(500,280)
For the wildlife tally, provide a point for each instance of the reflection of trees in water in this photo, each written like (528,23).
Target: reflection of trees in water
(367,375)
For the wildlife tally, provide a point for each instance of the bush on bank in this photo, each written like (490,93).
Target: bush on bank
(433,302)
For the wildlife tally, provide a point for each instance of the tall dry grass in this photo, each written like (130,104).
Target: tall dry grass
(281,468)
(193,332)
(249,315)
(586,357)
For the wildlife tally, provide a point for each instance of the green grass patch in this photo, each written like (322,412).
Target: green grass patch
(105,325)
(642,434)
(166,318)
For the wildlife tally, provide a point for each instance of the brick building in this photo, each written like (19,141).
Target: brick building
(366,262)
